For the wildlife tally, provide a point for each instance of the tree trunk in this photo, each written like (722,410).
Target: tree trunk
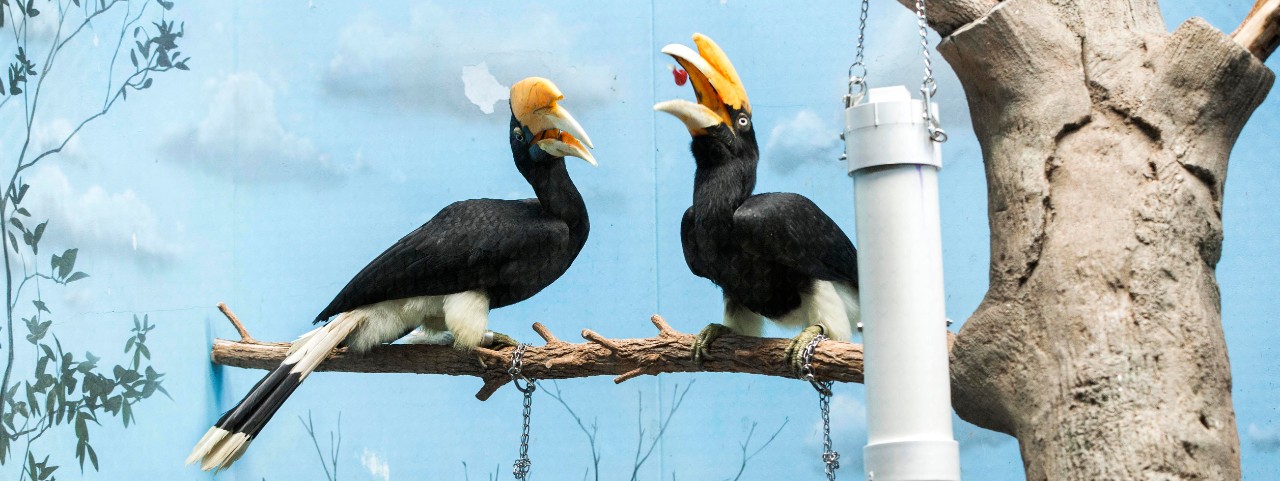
(1099,344)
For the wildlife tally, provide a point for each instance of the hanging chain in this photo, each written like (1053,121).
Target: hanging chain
(928,87)
(522,464)
(858,70)
(829,456)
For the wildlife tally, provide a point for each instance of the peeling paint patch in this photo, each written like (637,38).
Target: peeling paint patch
(481,88)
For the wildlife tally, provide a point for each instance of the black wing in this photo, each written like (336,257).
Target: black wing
(466,246)
(791,230)
(696,264)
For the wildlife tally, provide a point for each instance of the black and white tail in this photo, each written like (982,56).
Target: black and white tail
(230,436)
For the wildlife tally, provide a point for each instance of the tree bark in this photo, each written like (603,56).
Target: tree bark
(1099,344)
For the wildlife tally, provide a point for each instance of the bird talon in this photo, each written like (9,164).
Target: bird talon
(702,343)
(795,349)
(497,340)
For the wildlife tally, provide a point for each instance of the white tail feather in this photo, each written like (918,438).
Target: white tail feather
(206,444)
(226,452)
(465,314)
(302,340)
(220,447)
(318,347)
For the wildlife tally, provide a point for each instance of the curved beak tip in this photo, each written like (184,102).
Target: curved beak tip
(591,159)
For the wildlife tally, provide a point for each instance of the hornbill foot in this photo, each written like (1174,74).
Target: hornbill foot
(702,343)
(497,340)
(795,350)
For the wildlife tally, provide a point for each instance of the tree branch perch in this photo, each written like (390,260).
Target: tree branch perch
(669,351)
(1260,30)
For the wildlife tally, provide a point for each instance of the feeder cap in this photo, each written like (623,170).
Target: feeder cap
(888,127)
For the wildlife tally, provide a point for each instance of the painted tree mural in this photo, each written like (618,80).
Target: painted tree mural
(48,386)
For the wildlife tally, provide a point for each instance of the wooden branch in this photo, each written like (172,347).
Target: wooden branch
(1260,30)
(669,351)
(235,321)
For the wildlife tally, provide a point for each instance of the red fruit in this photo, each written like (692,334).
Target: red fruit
(680,75)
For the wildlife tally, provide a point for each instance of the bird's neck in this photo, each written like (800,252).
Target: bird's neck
(557,194)
(718,189)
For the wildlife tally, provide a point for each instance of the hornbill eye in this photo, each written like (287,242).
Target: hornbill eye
(743,121)
(518,133)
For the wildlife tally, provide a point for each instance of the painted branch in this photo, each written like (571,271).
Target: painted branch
(1260,30)
(669,351)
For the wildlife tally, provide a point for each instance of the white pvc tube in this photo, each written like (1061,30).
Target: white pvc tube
(894,167)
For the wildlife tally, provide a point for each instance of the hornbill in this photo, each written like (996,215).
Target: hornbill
(774,255)
(473,256)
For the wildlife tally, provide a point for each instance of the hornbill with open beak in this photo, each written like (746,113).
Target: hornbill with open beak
(774,255)
(473,256)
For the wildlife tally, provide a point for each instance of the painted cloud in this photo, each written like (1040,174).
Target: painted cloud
(802,139)
(241,137)
(1266,440)
(428,63)
(120,223)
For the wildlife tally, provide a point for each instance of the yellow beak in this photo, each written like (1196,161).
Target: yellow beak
(715,82)
(535,103)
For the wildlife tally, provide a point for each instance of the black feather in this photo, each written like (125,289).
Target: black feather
(251,406)
(510,249)
(764,250)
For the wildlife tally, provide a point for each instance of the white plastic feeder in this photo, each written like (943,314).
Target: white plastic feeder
(894,166)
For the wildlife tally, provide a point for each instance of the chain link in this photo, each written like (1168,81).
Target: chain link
(858,70)
(522,463)
(830,457)
(928,87)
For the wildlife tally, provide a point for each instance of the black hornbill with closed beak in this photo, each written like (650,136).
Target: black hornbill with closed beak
(774,255)
(473,256)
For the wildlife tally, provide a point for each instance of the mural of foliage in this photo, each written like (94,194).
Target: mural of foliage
(63,390)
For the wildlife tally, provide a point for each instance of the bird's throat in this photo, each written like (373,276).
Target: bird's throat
(718,190)
(557,194)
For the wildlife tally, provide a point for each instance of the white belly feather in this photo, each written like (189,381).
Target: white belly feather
(832,305)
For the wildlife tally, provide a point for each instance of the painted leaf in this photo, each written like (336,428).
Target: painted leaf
(68,261)
(92,456)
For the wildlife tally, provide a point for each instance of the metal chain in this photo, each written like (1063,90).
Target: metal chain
(928,87)
(522,464)
(858,70)
(829,456)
